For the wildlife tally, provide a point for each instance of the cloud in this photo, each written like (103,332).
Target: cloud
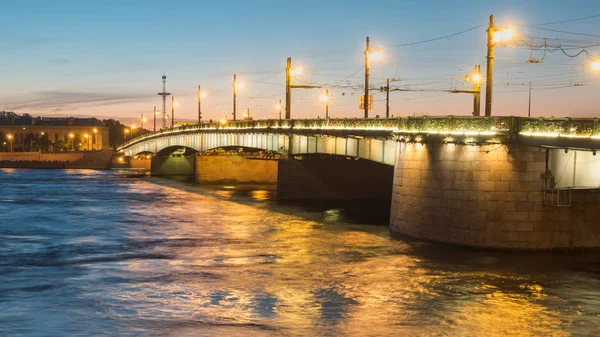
(71,100)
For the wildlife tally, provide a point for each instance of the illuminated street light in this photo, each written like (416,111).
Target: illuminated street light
(596,66)
(10,139)
(95,139)
(236,86)
(201,95)
(325,98)
(278,108)
(72,136)
(223,121)
(296,71)
(494,36)
(376,55)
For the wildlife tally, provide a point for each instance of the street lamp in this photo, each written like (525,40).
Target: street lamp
(201,94)
(95,140)
(475,78)
(155,114)
(10,139)
(325,98)
(144,120)
(72,136)
(236,85)
(125,132)
(596,66)
(374,56)
(173,106)
(494,36)
(278,108)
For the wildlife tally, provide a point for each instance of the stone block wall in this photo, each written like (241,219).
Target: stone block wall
(486,196)
(235,169)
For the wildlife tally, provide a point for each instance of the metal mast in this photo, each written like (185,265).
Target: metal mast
(164,95)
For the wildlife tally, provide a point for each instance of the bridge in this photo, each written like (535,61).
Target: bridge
(503,182)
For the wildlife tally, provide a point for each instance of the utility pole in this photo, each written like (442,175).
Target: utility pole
(154,113)
(477,91)
(234,96)
(199,108)
(387,98)
(529,111)
(289,86)
(172,111)
(327,104)
(279,109)
(490,67)
(288,89)
(366,99)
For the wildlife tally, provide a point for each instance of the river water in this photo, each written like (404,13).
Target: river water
(85,253)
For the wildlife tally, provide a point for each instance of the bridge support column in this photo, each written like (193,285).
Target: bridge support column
(486,196)
(235,169)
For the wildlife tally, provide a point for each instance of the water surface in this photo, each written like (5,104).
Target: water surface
(84,253)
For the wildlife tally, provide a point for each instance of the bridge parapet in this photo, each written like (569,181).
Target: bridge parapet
(555,132)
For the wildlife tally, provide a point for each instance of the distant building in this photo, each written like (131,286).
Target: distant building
(89,132)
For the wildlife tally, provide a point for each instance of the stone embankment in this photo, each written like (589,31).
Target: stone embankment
(80,160)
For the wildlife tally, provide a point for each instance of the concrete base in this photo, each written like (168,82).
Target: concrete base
(486,196)
(334,178)
(235,169)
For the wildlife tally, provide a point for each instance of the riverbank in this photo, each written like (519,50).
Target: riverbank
(68,160)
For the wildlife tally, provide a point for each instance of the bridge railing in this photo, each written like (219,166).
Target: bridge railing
(560,127)
(502,125)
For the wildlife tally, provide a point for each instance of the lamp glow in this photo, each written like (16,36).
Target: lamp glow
(596,66)
(375,56)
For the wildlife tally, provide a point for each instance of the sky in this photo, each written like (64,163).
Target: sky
(106,58)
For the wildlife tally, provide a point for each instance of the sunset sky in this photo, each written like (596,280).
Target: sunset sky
(106,59)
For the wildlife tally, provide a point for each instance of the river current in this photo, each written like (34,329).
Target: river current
(86,253)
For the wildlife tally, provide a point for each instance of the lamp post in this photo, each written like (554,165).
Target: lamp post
(368,57)
(247,115)
(125,132)
(493,36)
(278,108)
(144,120)
(173,106)
(325,98)
(10,139)
(155,114)
(236,85)
(72,136)
(201,95)
(95,140)
(289,73)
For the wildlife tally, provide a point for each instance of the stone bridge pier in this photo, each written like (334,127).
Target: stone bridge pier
(487,196)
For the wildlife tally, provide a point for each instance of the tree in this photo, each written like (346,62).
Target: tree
(44,143)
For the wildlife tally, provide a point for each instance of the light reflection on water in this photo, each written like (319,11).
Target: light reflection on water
(84,253)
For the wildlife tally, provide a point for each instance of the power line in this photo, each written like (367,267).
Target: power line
(435,39)
(565,32)
(563,21)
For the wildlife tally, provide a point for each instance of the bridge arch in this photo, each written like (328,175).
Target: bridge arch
(175,150)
